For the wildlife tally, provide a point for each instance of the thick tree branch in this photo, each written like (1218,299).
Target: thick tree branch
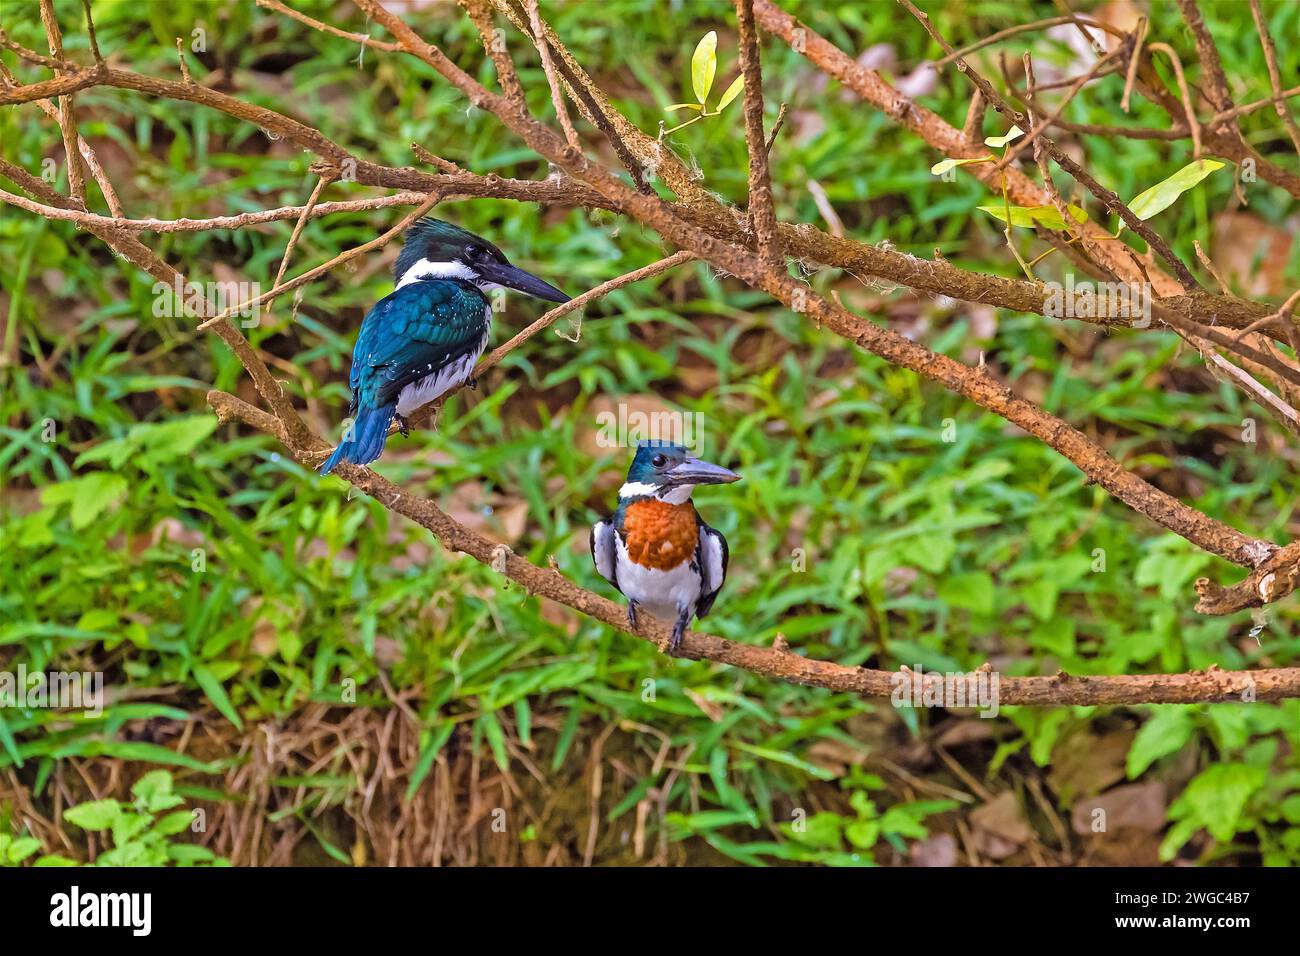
(772,662)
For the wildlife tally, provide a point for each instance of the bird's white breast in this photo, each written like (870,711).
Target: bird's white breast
(439,381)
(663,593)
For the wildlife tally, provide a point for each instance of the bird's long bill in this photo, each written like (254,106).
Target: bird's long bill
(513,277)
(692,471)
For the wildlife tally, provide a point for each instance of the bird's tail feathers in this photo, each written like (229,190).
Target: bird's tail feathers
(365,440)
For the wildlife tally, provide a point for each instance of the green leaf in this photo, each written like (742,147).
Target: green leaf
(938,169)
(731,92)
(496,739)
(216,693)
(863,834)
(149,444)
(89,495)
(1167,731)
(428,754)
(1040,597)
(683,106)
(821,830)
(21,848)
(1171,570)
(96,815)
(1047,216)
(1163,194)
(905,818)
(1217,797)
(704,63)
(176,822)
(154,791)
(931,551)
(190,853)
(1000,141)
(973,591)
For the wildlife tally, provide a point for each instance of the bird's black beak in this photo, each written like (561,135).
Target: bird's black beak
(512,277)
(692,471)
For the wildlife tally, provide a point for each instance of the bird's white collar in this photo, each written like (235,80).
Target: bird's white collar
(677,495)
(427,269)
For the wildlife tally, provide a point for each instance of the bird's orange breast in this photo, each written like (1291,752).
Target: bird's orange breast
(660,535)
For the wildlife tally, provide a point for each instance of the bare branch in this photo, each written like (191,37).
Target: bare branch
(552,80)
(1271,581)
(67,111)
(1112,202)
(1274,75)
(321,183)
(762,215)
(775,662)
(1189,110)
(346,256)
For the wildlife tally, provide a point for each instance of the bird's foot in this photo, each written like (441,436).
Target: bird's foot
(472,383)
(631,615)
(404,426)
(675,639)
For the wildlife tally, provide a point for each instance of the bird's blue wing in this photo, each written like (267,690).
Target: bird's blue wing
(413,332)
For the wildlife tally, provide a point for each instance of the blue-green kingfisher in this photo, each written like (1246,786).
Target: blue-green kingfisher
(655,548)
(424,338)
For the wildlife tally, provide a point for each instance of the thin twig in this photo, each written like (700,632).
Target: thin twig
(321,183)
(1274,75)
(1019,29)
(1140,35)
(320,270)
(1189,112)
(552,80)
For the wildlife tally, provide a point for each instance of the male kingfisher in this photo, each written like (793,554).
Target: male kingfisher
(424,338)
(655,548)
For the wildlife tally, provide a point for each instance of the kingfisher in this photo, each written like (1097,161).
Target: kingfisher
(424,338)
(655,549)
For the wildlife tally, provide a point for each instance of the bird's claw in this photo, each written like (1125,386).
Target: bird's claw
(472,383)
(675,639)
(631,615)
(404,426)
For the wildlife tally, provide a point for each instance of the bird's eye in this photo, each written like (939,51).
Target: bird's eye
(473,252)
(659,461)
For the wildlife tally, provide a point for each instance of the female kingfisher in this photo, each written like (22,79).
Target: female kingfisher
(655,548)
(424,338)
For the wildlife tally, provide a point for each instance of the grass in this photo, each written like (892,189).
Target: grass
(880,522)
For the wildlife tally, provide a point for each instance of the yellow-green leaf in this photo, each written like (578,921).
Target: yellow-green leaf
(938,169)
(1034,215)
(731,92)
(704,63)
(1000,141)
(1163,194)
(89,495)
(683,106)
(95,815)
